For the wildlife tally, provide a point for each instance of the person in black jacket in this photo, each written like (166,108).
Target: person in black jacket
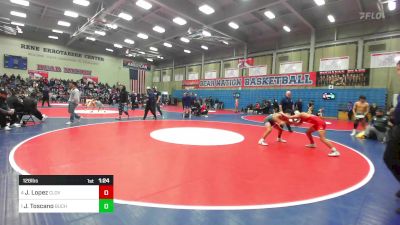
(123,102)
(150,104)
(30,107)
(14,103)
(46,96)
(6,114)
(158,100)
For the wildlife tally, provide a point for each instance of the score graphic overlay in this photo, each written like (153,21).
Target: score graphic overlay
(66,194)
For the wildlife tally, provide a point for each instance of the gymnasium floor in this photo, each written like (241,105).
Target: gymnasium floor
(166,174)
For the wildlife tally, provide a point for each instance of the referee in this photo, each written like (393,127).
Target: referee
(287,106)
(392,153)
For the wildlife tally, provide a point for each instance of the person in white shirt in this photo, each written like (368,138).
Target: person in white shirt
(73,101)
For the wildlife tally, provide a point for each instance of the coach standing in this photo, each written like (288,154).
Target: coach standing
(392,153)
(287,106)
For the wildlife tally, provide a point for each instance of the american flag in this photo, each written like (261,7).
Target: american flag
(137,80)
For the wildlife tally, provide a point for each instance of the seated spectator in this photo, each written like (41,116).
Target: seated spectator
(378,128)
(30,107)
(257,108)
(203,110)
(15,103)
(6,114)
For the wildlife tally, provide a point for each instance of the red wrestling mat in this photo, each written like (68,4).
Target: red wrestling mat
(178,109)
(88,113)
(332,124)
(196,165)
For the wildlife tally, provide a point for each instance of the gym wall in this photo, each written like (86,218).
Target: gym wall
(379,78)
(109,71)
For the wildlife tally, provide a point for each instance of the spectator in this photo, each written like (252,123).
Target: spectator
(299,105)
(6,114)
(46,96)
(14,103)
(378,127)
(275,106)
(30,107)
(350,110)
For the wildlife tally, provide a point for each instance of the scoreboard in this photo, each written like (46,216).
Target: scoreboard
(66,194)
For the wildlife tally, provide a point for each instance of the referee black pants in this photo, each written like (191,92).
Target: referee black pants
(152,108)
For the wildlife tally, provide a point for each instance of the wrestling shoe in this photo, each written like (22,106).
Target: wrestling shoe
(334,154)
(6,128)
(16,125)
(311,146)
(353,133)
(281,140)
(262,142)
(68,123)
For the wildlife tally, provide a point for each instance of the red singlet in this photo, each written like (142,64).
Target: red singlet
(316,121)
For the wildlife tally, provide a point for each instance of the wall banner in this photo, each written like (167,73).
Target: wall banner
(359,77)
(135,65)
(334,63)
(384,59)
(37,75)
(291,67)
(281,80)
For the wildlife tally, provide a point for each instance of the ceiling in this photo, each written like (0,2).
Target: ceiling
(254,26)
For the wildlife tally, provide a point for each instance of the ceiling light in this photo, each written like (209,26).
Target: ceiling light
(18,24)
(150,60)
(204,47)
(168,45)
(140,52)
(153,49)
(112,26)
(159,29)
(161,57)
(71,14)
(63,23)
(100,32)
(183,39)
(81,2)
(179,21)
(143,4)
(158,57)
(319,2)
(234,25)
(125,16)
(117,45)
(142,36)
(392,5)
(90,38)
(19,14)
(206,33)
(331,18)
(109,50)
(187,51)
(20,2)
(129,55)
(269,14)
(57,31)
(129,41)
(206,9)
(53,37)
(225,42)
(286,28)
